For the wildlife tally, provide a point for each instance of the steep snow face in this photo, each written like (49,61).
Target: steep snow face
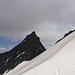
(58,60)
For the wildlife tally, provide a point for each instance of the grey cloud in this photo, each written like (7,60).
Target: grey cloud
(49,18)
(53,32)
(2,50)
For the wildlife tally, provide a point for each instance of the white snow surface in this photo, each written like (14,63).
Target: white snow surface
(16,69)
(58,60)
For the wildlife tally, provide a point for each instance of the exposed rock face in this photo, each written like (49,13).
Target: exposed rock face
(29,48)
(65,35)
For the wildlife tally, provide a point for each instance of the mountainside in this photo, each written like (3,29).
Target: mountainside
(65,35)
(29,48)
(60,63)
(57,60)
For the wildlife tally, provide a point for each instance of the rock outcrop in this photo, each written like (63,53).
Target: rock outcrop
(65,35)
(28,49)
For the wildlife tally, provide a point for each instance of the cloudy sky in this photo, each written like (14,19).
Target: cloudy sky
(51,19)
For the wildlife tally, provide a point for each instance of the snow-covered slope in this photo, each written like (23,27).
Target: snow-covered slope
(18,68)
(58,60)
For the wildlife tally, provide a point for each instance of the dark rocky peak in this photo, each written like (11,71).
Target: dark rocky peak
(31,37)
(65,35)
(28,49)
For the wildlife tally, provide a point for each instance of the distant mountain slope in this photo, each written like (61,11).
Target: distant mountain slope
(65,35)
(29,48)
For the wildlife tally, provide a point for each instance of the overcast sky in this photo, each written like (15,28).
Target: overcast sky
(51,19)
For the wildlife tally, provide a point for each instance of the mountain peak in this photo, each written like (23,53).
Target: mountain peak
(33,33)
(28,49)
(32,36)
